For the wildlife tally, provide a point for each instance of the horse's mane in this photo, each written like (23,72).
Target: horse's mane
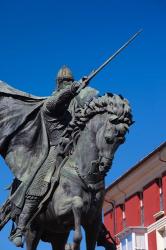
(117,106)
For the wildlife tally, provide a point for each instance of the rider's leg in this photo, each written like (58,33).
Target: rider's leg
(34,195)
(29,208)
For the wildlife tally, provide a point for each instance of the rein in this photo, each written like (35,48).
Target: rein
(104,168)
(93,181)
(73,173)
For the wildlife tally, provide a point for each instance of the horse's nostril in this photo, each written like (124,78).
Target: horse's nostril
(121,139)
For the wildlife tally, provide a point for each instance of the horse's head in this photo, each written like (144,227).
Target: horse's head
(113,125)
(107,119)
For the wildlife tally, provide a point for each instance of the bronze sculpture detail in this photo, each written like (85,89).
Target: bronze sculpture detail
(60,149)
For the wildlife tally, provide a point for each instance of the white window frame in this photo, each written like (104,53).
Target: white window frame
(146,241)
(160,239)
(134,232)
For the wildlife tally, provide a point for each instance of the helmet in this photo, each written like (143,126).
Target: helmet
(64,75)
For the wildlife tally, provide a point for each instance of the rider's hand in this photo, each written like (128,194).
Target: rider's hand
(84,78)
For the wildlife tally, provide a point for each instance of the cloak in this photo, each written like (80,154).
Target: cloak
(23,137)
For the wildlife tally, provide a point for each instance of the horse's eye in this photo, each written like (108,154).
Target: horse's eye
(113,121)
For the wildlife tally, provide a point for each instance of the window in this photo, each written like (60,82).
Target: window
(127,243)
(133,241)
(161,239)
(140,242)
(123,244)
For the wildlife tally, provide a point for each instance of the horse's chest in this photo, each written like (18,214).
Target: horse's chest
(92,202)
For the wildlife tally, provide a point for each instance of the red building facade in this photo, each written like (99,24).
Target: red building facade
(135,205)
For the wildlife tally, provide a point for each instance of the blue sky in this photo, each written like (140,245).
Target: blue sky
(38,37)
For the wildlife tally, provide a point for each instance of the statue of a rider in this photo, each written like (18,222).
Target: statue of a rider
(54,114)
(56,117)
(31,130)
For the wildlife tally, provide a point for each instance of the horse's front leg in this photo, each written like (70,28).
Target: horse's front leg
(58,241)
(32,238)
(92,232)
(77,205)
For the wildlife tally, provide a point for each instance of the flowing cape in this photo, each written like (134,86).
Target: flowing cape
(23,136)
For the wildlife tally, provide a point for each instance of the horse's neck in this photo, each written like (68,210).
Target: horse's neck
(86,151)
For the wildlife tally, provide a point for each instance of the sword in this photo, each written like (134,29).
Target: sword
(95,72)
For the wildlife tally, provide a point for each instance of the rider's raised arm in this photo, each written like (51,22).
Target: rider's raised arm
(57,104)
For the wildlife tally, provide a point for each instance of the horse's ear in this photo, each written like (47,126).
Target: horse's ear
(110,94)
(121,97)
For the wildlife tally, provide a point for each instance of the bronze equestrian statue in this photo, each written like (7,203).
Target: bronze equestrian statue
(60,148)
(84,155)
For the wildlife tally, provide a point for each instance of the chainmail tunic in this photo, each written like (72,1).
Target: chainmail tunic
(57,117)
(40,183)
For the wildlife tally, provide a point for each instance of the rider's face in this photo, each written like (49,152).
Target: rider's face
(64,84)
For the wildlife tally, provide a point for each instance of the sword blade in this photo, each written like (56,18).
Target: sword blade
(114,55)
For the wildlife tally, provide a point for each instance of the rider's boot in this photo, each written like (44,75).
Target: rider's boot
(28,210)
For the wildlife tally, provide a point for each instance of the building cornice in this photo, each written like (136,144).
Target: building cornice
(129,230)
(133,181)
(157,225)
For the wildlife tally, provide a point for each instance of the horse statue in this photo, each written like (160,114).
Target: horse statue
(92,138)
